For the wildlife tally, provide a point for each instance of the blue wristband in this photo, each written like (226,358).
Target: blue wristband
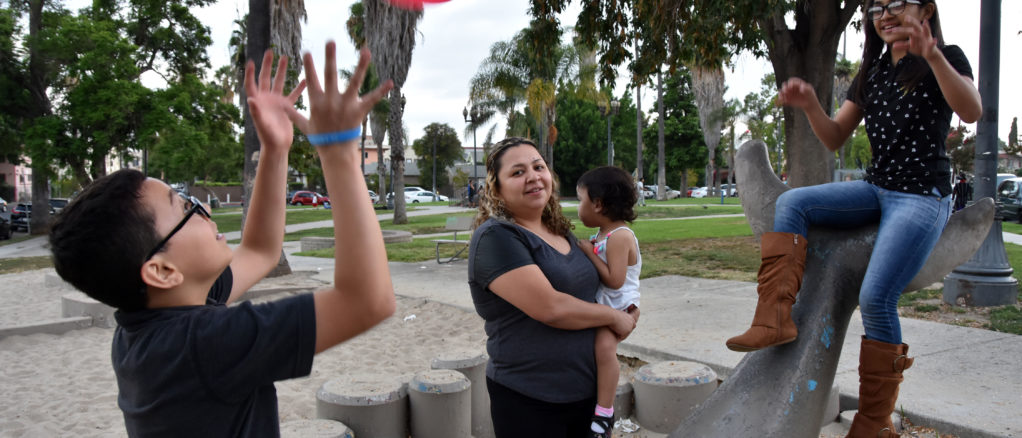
(326,138)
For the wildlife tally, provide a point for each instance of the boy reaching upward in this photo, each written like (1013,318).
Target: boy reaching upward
(186,363)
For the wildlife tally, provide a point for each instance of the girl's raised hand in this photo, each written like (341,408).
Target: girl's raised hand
(331,110)
(920,40)
(797,93)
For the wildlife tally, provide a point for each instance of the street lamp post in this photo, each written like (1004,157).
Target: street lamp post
(434,168)
(472,117)
(608,112)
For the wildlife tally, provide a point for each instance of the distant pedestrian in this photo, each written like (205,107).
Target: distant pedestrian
(962,192)
(640,189)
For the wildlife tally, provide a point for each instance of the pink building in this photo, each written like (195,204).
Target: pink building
(19,177)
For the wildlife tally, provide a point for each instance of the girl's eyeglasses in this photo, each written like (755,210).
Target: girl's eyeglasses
(192,206)
(893,8)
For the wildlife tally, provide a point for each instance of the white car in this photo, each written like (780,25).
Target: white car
(423,196)
(671,193)
(698,192)
(374,197)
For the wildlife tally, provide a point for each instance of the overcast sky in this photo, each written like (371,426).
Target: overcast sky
(455,37)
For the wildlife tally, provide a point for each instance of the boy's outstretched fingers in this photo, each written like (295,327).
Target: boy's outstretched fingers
(330,110)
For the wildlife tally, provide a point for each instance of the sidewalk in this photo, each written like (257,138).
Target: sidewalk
(965,381)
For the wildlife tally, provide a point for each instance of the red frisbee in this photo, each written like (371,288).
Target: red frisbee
(413,5)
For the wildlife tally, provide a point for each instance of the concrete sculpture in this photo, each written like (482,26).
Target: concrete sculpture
(781,391)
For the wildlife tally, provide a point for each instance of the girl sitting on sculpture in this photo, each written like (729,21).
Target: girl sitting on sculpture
(906,94)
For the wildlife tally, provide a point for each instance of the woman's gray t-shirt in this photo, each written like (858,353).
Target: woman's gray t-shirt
(530,357)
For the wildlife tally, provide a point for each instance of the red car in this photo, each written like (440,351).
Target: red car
(304,197)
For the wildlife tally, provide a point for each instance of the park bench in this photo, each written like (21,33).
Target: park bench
(456,224)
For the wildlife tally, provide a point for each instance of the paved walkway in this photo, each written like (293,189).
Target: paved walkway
(965,381)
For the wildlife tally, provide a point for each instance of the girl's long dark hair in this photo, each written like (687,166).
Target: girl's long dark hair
(873,49)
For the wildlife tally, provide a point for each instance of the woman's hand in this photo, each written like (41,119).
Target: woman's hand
(920,40)
(623,325)
(268,104)
(329,109)
(797,93)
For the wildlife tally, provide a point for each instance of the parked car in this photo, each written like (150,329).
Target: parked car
(3,204)
(1009,198)
(57,205)
(671,193)
(1003,176)
(647,193)
(729,189)
(408,190)
(20,216)
(423,196)
(697,192)
(374,197)
(305,197)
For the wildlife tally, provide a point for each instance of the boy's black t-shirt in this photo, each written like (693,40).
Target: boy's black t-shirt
(209,370)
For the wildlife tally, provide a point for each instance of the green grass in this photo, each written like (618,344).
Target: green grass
(1006,319)
(910,298)
(21,264)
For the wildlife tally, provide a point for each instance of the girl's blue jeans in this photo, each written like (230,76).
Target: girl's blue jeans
(909,227)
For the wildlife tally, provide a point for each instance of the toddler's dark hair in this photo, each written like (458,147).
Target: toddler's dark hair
(614,188)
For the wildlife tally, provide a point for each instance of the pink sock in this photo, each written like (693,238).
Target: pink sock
(604,412)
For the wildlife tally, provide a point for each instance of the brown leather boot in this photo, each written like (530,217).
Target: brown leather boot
(880,372)
(780,277)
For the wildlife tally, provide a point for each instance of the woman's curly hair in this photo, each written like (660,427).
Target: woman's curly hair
(492,205)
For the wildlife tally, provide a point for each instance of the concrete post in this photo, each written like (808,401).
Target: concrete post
(666,391)
(471,363)
(371,407)
(315,428)
(441,405)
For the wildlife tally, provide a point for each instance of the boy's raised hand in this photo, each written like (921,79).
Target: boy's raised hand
(268,104)
(330,109)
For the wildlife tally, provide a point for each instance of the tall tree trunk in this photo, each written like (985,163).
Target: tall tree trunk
(397,156)
(808,52)
(661,174)
(379,127)
(258,40)
(638,121)
(40,218)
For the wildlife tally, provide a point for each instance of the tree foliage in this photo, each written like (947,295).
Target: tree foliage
(582,135)
(448,151)
(708,33)
(684,147)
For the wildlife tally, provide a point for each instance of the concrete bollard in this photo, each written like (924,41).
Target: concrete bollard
(624,401)
(441,404)
(370,406)
(316,428)
(78,304)
(665,392)
(471,363)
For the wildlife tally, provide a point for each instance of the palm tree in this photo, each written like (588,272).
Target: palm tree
(708,84)
(515,73)
(390,32)
(377,118)
(277,25)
